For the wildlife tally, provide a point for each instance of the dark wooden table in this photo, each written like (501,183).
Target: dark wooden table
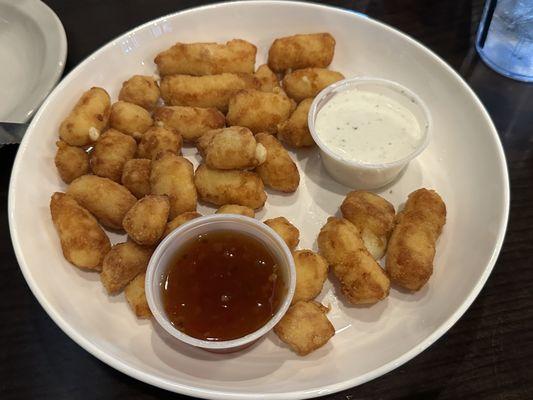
(488,354)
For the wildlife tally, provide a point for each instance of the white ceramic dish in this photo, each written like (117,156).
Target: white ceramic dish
(464,163)
(217,222)
(33,49)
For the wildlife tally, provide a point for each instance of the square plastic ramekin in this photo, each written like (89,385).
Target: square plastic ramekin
(357,174)
(166,250)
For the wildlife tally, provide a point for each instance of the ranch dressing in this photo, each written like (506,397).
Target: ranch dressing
(367,127)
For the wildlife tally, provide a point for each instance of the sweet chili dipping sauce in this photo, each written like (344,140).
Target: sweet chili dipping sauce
(222,285)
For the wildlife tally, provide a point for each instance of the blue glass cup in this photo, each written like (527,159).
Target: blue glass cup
(505,38)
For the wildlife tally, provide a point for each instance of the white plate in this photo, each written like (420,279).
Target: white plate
(33,49)
(464,163)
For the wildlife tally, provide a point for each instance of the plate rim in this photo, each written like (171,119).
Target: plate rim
(298,394)
(26,109)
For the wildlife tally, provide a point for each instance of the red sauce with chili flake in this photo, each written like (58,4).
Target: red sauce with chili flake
(222,285)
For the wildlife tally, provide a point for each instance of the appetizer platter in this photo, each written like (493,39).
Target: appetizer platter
(333,140)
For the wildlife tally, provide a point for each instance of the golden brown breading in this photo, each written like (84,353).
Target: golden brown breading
(105,199)
(267,79)
(301,51)
(130,119)
(141,90)
(87,119)
(123,263)
(83,242)
(236,209)
(412,244)
(305,83)
(158,140)
(295,130)
(305,327)
(111,151)
(259,111)
(231,148)
(71,161)
(362,279)
(229,187)
(278,171)
(374,218)
(207,58)
(189,122)
(338,240)
(205,91)
(146,221)
(311,273)
(288,232)
(136,297)
(180,220)
(136,176)
(172,175)
(203,141)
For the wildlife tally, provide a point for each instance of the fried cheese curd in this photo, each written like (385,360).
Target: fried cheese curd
(279,171)
(208,91)
(83,241)
(136,296)
(189,122)
(374,218)
(71,161)
(107,200)
(136,176)
(122,264)
(311,273)
(301,51)
(140,90)
(231,148)
(412,244)
(88,118)
(259,111)
(220,187)
(157,140)
(305,327)
(146,221)
(172,175)
(268,80)
(110,153)
(308,82)
(235,56)
(288,232)
(361,278)
(295,130)
(130,119)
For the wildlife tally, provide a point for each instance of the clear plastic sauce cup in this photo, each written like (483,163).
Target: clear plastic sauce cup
(359,174)
(167,249)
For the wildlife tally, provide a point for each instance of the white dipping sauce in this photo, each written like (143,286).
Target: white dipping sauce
(368,127)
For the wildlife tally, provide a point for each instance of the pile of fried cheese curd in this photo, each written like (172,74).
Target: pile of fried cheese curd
(125,171)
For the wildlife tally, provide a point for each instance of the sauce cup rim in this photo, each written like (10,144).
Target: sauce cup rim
(346,84)
(156,268)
